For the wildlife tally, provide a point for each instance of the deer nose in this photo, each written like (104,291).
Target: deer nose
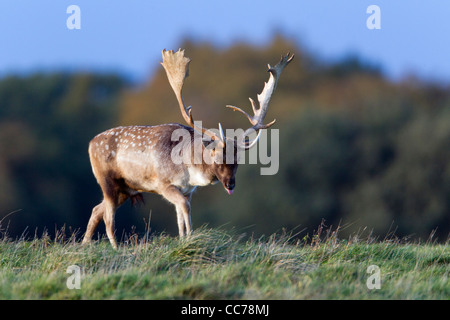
(229,185)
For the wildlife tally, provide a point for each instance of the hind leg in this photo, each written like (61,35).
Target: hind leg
(111,205)
(96,217)
(113,198)
(108,218)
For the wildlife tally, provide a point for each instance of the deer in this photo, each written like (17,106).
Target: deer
(129,160)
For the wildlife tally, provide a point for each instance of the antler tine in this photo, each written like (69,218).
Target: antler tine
(269,88)
(250,118)
(177,70)
(257,120)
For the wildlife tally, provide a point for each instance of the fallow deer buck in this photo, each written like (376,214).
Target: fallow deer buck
(127,161)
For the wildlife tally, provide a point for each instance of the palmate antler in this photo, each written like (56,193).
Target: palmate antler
(177,69)
(257,120)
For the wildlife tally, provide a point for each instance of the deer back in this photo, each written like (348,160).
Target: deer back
(141,157)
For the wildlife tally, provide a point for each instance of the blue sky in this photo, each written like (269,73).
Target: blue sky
(127,36)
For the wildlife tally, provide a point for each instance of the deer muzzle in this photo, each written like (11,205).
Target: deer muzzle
(229,187)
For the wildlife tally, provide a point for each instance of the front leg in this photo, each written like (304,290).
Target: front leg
(183,208)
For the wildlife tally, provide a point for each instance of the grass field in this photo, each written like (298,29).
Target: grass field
(219,264)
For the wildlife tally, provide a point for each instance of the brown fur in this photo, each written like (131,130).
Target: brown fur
(127,161)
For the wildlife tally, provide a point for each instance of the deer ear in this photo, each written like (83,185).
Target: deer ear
(213,143)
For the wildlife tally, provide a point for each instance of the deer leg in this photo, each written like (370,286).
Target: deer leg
(99,213)
(96,216)
(188,220)
(108,218)
(113,198)
(181,225)
(183,208)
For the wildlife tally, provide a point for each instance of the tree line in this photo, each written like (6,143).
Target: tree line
(356,149)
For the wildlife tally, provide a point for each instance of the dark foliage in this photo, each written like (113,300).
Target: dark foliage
(355,148)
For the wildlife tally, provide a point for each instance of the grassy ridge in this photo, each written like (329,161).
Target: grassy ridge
(218,264)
